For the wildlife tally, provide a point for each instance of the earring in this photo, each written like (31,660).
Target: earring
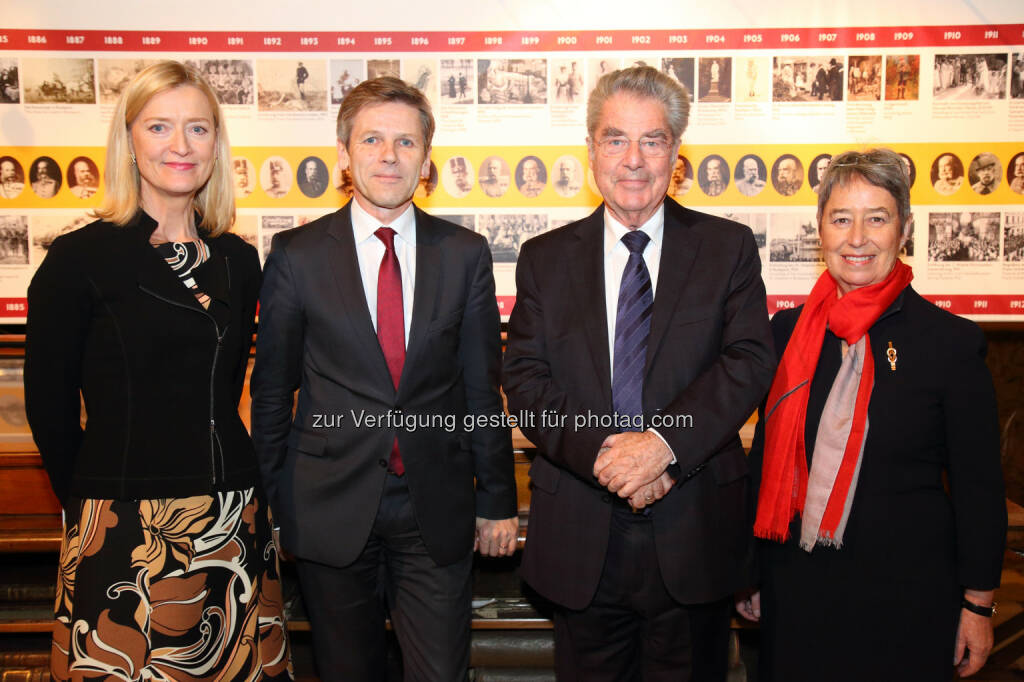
(132,155)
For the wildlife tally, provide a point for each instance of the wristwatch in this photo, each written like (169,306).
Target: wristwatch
(986,611)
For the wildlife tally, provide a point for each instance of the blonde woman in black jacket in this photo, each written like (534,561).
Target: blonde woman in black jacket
(167,569)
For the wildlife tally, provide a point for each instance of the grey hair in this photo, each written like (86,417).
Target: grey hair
(880,167)
(642,81)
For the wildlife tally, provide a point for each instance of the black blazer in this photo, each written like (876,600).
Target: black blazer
(709,355)
(108,317)
(324,472)
(933,417)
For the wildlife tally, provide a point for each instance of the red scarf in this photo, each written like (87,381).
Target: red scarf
(784,471)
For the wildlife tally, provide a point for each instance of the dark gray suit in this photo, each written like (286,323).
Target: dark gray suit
(709,355)
(324,474)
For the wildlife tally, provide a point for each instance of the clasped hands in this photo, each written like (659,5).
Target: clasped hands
(632,465)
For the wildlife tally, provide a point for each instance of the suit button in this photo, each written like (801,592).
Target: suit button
(383,463)
(606,498)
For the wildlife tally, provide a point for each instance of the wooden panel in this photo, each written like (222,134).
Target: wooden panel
(24,486)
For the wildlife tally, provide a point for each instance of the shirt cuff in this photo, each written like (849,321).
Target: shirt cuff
(662,438)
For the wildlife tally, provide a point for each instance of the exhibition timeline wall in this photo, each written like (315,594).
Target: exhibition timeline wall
(770,106)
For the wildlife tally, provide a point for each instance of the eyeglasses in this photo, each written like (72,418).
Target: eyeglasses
(650,147)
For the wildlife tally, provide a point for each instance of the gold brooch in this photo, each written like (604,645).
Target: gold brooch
(891,356)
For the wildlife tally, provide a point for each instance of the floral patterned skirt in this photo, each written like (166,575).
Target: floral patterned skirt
(170,589)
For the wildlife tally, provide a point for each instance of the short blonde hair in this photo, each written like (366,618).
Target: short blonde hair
(215,201)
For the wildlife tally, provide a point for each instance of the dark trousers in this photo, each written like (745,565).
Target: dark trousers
(429,604)
(633,629)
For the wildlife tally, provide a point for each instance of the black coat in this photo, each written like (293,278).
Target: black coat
(160,375)
(885,605)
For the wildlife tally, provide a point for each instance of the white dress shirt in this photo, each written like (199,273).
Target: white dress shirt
(370,251)
(615,257)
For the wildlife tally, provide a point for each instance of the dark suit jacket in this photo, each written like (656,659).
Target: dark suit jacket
(709,355)
(110,322)
(931,421)
(323,471)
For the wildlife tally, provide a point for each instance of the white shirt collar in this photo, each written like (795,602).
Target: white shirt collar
(364,224)
(654,227)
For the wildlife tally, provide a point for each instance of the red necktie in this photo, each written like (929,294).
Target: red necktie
(391,322)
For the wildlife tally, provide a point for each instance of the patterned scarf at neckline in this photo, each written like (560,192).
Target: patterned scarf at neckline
(184,257)
(827,490)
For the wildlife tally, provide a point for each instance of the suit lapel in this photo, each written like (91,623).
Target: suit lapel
(344,266)
(586,263)
(678,254)
(428,275)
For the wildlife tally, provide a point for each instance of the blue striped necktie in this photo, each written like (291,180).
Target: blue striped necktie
(632,327)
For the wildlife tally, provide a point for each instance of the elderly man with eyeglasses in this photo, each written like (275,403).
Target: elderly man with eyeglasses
(639,343)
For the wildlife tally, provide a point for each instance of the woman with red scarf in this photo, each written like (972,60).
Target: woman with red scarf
(881,507)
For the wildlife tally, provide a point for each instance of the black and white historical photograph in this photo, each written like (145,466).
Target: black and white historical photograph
(794,238)
(244,175)
(715,79)
(751,79)
(751,175)
(466,220)
(346,74)
(1015,173)
(457,81)
(247,227)
(512,81)
(231,79)
(902,76)
(681,69)
(567,81)
(910,167)
(457,176)
(494,176)
(864,78)
(963,236)
(13,240)
(947,174)
(758,224)
(422,73)
(276,177)
(58,80)
(970,76)
(567,176)
(682,177)
(375,68)
(598,67)
(713,175)
(113,75)
(807,78)
(985,173)
(312,177)
(342,179)
(48,226)
(12,177)
(271,225)
(45,177)
(506,232)
(1013,237)
(531,176)
(291,84)
(83,177)
(816,171)
(1017,76)
(10,92)
(787,175)
(427,185)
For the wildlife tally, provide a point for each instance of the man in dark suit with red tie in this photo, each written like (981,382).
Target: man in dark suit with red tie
(640,337)
(386,322)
